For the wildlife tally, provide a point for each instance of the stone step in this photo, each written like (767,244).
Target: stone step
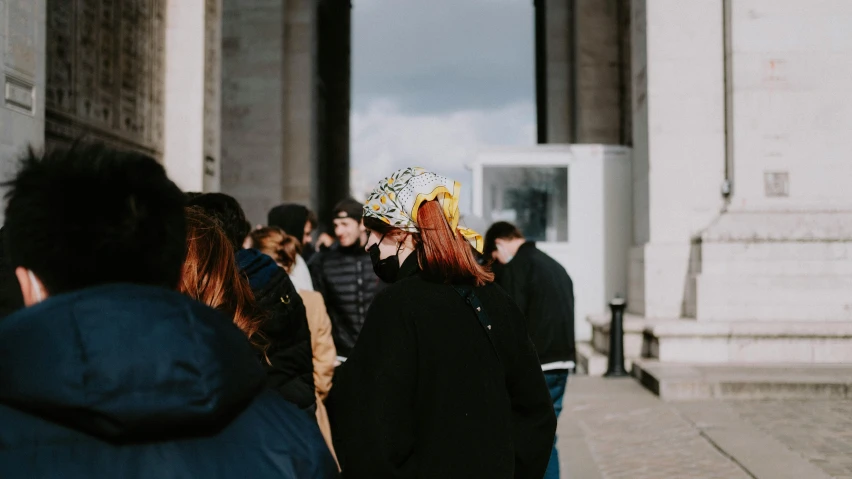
(634,327)
(691,341)
(589,361)
(731,297)
(685,381)
(777,258)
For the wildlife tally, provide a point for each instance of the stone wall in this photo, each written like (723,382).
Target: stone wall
(105,71)
(22,80)
(679,144)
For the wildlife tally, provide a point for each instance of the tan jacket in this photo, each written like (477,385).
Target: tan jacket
(325,355)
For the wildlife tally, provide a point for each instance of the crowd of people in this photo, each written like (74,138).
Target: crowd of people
(150,332)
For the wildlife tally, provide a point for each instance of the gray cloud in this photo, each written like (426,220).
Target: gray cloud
(436,56)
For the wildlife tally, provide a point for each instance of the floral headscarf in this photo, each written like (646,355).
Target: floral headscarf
(396,199)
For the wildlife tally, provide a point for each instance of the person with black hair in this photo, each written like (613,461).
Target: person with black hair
(345,277)
(298,221)
(110,372)
(289,367)
(545,293)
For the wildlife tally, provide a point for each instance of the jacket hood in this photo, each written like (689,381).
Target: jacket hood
(127,363)
(258,267)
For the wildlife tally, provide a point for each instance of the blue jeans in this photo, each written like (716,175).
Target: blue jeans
(556,381)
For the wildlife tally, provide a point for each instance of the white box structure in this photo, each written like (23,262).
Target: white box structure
(576,202)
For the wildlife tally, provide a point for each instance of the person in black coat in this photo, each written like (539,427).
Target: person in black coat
(545,293)
(109,372)
(286,327)
(344,276)
(444,380)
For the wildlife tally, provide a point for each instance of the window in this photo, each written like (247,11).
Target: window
(535,199)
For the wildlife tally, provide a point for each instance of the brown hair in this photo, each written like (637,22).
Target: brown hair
(275,243)
(211,276)
(442,253)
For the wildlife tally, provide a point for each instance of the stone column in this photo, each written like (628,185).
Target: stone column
(580,93)
(300,157)
(191,123)
(679,146)
(253,110)
(22,80)
(269,111)
(598,99)
(334,61)
(554,70)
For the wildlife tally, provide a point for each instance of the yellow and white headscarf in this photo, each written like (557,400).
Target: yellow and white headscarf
(396,199)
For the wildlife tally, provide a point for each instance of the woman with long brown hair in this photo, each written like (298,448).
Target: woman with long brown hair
(444,380)
(210,275)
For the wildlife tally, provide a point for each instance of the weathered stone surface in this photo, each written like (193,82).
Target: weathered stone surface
(105,72)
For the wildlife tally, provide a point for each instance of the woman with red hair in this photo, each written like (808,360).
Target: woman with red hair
(444,380)
(211,276)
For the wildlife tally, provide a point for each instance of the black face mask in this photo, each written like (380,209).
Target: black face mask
(387,269)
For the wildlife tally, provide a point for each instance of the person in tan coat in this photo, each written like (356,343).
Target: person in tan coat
(286,251)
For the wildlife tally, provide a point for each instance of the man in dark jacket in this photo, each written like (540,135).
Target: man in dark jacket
(344,275)
(290,368)
(109,372)
(545,294)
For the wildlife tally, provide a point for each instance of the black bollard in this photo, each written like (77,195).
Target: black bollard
(615,369)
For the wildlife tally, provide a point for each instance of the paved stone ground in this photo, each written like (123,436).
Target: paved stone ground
(616,429)
(820,431)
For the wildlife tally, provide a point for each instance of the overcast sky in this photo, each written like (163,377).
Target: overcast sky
(433,81)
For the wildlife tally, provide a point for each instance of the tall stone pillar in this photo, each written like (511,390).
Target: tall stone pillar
(555,70)
(678,146)
(299,173)
(269,112)
(581,96)
(22,79)
(192,81)
(334,57)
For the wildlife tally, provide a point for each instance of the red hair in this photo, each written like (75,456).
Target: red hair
(442,254)
(211,276)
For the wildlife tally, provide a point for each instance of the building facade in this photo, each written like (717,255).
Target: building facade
(739,121)
(737,113)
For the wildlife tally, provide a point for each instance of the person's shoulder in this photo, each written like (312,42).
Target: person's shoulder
(403,295)
(280,428)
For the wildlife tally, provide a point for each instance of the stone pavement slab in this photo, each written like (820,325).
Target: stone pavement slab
(614,428)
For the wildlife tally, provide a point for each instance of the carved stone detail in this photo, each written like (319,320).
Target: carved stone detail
(105,74)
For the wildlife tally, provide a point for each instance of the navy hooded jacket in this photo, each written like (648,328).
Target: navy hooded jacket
(141,382)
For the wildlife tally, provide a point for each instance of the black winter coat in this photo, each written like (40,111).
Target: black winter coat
(348,284)
(291,371)
(545,294)
(140,382)
(423,394)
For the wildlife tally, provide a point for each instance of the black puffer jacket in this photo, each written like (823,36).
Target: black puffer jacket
(348,284)
(286,329)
